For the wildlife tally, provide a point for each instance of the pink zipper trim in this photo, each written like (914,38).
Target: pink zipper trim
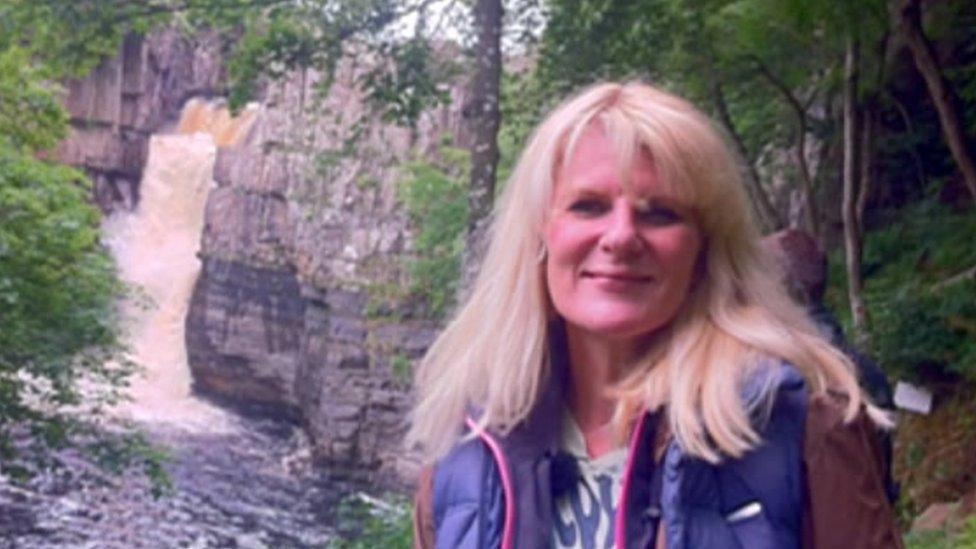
(619,535)
(508,532)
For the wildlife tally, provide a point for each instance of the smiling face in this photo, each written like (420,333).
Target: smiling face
(621,256)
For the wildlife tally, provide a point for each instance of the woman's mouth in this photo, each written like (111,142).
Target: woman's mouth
(617,279)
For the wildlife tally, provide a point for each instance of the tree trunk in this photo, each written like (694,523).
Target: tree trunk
(769,219)
(867,165)
(806,180)
(940,91)
(869,123)
(910,130)
(483,114)
(852,238)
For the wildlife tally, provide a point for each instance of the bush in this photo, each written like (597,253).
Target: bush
(922,313)
(57,300)
(59,353)
(965,538)
(437,201)
(367,523)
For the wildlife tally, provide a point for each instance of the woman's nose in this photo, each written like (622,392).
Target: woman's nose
(620,235)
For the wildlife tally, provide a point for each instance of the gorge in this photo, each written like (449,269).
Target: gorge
(292,241)
(251,241)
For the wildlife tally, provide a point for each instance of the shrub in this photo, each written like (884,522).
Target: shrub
(437,202)
(60,359)
(922,312)
(367,523)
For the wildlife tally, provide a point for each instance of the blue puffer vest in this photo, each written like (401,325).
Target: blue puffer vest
(496,491)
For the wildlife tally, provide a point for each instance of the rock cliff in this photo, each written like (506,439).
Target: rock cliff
(297,237)
(126,99)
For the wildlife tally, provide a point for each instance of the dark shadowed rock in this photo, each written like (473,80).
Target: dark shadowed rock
(244,329)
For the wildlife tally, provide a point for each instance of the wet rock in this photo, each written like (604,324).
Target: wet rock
(243,337)
(246,485)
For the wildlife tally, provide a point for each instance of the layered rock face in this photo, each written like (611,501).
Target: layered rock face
(126,99)
(299,233)
(297,237)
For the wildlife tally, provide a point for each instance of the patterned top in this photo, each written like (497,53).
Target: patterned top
(584,513)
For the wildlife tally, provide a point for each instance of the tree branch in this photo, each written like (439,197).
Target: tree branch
(968,274)
(806,179)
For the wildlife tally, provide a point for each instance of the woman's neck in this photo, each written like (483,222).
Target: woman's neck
(596,363)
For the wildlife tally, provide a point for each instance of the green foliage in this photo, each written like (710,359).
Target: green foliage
(964,538)
(264,39)
(58,289)
(368,523)
(937,539)
(923,322)
(436,200)
(707,51)
(402,367)
(121,452)
(60,359)
(273,37)
(967,538)
(276,42)
(522,104)
(412,82)
(70,38)
(31,117)
(590,40)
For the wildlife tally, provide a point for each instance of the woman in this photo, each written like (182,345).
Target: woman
(628,371)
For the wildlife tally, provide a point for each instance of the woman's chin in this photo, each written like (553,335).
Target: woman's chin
(624,328)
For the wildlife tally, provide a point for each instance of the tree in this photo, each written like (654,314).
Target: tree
(483,113)
(945,100)
(671,43)
(64,39)
(57,284)
(852,236)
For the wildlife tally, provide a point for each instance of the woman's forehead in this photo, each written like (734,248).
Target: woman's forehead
(596,162)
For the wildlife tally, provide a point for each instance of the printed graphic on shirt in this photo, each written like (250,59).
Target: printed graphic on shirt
(584,515)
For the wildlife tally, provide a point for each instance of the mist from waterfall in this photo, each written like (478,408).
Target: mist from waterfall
(156,246)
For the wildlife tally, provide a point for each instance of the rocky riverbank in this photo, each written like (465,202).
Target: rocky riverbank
(236,482)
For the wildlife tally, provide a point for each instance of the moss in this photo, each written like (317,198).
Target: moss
(383,301)
(402,367)
(366,522)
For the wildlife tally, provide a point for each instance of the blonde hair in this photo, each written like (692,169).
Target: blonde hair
(493,355)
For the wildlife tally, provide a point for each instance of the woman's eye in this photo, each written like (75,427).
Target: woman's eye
(588,207)
(660,215)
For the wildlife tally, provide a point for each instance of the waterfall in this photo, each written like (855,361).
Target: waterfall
(156,249)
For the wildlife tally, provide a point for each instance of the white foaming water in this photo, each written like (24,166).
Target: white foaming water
(156,250)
